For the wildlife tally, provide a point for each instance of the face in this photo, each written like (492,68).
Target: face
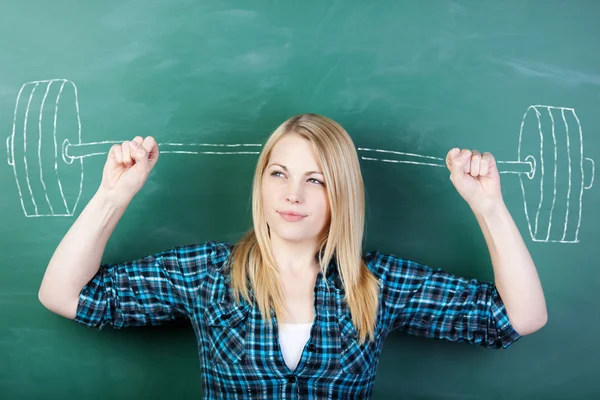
(294,193)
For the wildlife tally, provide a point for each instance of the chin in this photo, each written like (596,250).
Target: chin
(293,236)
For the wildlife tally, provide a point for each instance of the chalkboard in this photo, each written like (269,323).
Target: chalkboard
(408,80)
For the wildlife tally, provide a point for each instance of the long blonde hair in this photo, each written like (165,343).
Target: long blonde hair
(252,261)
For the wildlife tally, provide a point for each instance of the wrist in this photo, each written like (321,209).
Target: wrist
(489,208)
(111,199)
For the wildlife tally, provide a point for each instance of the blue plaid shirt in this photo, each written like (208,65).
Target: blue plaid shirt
(240,355)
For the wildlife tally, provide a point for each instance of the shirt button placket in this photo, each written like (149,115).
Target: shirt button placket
(294,390)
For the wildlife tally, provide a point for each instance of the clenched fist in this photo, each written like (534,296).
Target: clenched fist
(475,177)
(128,166)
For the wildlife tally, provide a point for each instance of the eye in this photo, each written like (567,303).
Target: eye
(278,173)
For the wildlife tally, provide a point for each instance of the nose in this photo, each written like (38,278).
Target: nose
(294,192)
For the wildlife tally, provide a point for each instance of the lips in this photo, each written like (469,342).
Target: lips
(291,216)
(292,213)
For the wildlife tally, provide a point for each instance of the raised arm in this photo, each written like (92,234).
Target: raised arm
(477,180)
(436,304)
(77,258)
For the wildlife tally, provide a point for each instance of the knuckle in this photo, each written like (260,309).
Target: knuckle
(149,141)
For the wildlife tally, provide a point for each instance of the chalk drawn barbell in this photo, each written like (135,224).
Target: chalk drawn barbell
(45,188)
(546,198)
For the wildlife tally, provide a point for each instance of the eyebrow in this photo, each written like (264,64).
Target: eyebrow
(286,170)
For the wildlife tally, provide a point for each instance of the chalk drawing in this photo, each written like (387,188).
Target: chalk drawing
(530,168)
(577,132)
(34,212)
(411,158)
(62,146)
(526,170)
(103,147)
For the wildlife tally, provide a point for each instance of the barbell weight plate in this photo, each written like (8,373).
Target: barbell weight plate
(18,150)
(537,198)
(564,159)
(575,185)
(46,113)
(552,197)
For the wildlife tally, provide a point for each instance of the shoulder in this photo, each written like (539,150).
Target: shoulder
(212,259)
(212,255)
(391,266)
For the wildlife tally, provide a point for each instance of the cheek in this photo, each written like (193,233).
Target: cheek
(269,188)
(323,206)
(265,198)
(269,199)
(266,190)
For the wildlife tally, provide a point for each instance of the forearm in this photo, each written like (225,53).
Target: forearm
(515,274)
(78,256)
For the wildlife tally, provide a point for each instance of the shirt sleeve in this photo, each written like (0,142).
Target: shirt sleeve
(149,291)
(436,304)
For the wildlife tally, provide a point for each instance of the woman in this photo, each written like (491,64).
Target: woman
(295,308)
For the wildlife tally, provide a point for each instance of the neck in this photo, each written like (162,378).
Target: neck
(295,257)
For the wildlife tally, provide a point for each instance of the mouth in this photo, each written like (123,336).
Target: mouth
(291,216)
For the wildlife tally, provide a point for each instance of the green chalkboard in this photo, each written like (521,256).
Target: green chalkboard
(412,78)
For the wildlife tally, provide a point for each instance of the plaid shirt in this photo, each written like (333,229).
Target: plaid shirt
(240,356)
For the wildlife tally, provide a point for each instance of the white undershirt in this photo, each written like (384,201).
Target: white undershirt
(292,339)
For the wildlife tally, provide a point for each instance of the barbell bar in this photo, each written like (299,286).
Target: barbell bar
(44,188)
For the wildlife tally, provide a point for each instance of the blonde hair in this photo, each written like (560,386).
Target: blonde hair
(253,262)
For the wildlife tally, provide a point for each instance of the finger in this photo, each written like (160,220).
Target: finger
(452,154)
(475,163)
(151,147)
(455,163)
(483,166)
(126,149)
(466,156)
(487,163)
(116,154)
(138,153)
(139,140)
